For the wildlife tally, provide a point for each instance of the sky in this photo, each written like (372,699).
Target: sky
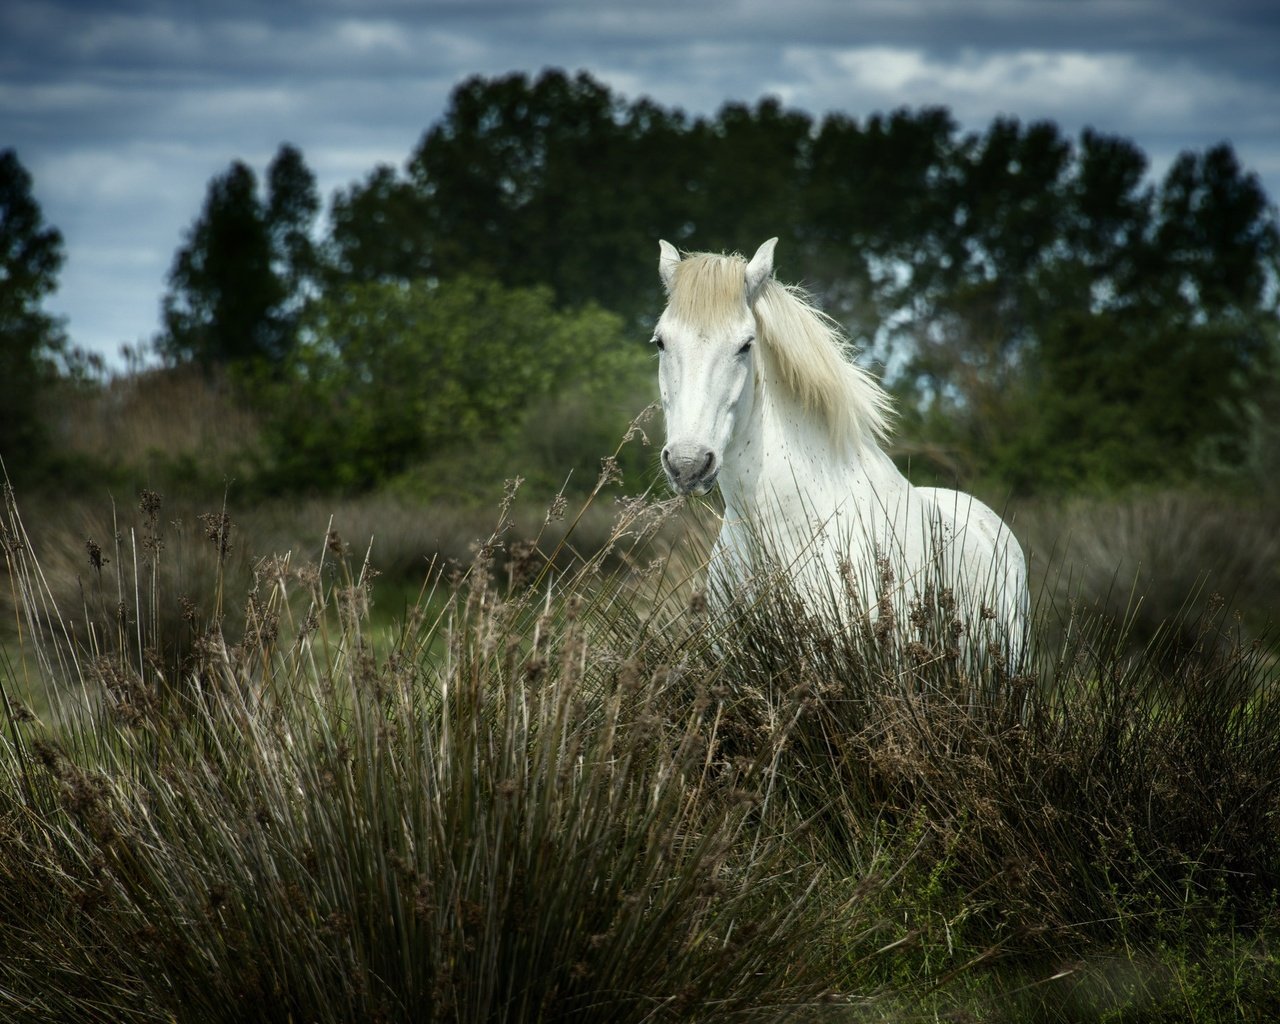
(123,111)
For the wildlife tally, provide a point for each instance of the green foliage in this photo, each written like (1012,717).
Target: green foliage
(236,285)
(1052,318)
(375,232)
(551,182)
(30,258)
(1256,462)
(1082,331)
(1049,314)
(388,375)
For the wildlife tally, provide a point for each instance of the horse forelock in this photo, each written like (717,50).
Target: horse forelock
(708,288)
(804,352)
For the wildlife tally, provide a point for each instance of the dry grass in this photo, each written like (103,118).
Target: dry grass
(161,421)
(97,556)
(1163,563)
(496,818)
(563,790)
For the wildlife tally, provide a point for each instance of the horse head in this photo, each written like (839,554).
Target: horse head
(705,339)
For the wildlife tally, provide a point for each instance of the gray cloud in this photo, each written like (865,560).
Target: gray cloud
(123,112)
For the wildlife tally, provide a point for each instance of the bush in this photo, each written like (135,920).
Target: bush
(158,428)
(391,375)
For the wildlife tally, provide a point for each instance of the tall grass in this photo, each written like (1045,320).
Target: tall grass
(495,817)
(148,568)
(569,787)
(177,423)
(1163,563)
(1096,775)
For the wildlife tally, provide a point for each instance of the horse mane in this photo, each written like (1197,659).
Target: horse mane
(803,350)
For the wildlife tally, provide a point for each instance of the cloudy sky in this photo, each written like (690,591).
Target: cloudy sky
(122,111)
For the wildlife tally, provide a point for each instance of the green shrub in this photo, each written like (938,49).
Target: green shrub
(391,375)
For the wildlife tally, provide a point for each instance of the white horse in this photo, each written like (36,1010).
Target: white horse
(760,397)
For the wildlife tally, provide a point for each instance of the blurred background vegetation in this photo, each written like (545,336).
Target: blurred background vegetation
(1062,328)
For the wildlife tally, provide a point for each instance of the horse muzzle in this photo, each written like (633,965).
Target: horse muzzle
(690,468)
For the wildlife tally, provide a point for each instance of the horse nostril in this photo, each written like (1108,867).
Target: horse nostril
(689,465)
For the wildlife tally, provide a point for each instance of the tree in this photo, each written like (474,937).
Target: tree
(291,207)
(379,233)
(969,314)
(1012,278)
(30,257)
(552,180)
(237,284)
(1156,373)
(532,182)
(1077,326)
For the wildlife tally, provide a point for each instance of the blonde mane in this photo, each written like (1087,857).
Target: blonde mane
(803,351)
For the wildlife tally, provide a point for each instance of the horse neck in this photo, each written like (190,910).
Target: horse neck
(785,458)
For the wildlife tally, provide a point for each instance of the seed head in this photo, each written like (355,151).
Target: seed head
(94,550)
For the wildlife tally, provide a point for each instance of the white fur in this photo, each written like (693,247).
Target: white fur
(791,430)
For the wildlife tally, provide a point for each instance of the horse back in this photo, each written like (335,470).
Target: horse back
(979,530)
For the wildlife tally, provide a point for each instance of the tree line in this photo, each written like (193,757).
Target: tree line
(1050,315)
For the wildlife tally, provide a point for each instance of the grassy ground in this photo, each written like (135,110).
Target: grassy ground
(550,787)
(376,758)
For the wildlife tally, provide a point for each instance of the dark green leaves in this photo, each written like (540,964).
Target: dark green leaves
(388,374)
(236,284)
(30,258)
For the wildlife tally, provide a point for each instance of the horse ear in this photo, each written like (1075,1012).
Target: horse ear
(668,257)
(760,269)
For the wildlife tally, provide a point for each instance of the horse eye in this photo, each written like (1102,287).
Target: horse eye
(746,347)
(657,340)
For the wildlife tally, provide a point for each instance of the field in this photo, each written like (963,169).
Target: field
(504,764)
